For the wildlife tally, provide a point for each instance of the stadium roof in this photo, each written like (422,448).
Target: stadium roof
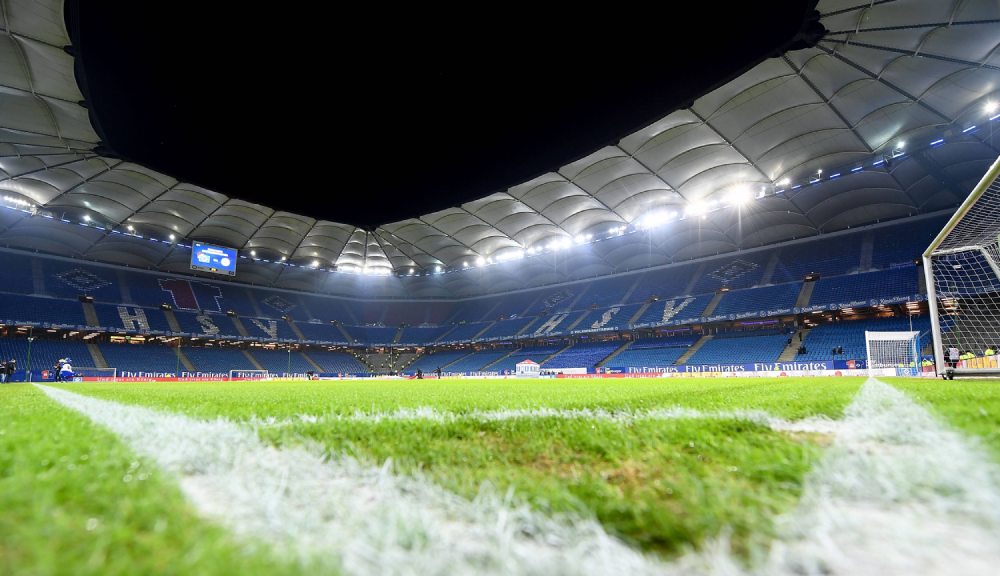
(891,114)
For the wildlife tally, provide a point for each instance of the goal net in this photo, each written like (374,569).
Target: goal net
(962,269)
(249,375)
(892,353)
(92,374)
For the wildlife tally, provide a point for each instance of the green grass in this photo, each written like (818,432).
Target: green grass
(784,397)
(967,404)
(661,485)
(74,500)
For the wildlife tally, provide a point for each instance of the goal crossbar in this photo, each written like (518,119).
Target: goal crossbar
(976,227)
(892,353)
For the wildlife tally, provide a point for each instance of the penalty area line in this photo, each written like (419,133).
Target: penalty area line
(898,492)
(816,424)
(360,519)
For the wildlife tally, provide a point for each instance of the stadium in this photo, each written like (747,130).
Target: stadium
(754,335)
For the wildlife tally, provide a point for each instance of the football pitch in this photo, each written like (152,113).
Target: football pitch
(728,476)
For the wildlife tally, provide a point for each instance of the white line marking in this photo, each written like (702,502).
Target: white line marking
(361,519)
(897,493)
(817,424)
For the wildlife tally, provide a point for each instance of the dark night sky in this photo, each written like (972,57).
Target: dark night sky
(355,118)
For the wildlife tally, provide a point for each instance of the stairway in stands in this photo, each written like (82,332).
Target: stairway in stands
(694,348)
(617,351)
(792,349)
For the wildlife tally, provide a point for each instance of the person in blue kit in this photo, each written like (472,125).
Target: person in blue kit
(66,371)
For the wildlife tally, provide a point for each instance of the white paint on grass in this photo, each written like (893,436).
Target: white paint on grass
(622,416)
(896,493)
(356,518)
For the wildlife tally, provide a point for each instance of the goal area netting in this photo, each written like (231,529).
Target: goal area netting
(962,269)
(249,375)
(892,353)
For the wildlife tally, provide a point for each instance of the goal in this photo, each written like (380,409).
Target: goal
(93,374)
(962,269)
(249,375)
(892,353)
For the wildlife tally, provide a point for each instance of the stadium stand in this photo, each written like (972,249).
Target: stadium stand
(477,361)
(327,309)
(506,328)
(861,289)
(325,333)
(606,292)
(337,362)
(413,335)
(274,304)
(740,348)
(217,360)
(45,352)
(850,335)
(267,329)
(904,243)
(372,334)
(759,300)
(398,313)
(131,318)
(17,278)
(828,257)
(17,309)
(652,352)
(613,318)
(674,310)
(141,357)
(555,300)
(464,332)
(430,362)
(67,279)
(536,353)
(665,283)
(582,355)
(212,325)
(743,271)
(277,361)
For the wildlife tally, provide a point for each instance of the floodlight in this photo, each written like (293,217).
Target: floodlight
(991,107)
(480,261)
(695,208)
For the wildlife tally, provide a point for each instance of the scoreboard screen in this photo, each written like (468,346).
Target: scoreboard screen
(213,258)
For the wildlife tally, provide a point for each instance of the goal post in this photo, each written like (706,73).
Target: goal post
(962,270)
(249,375)
(892,353)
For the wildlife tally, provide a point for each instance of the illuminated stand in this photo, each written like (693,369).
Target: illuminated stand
(527,369)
